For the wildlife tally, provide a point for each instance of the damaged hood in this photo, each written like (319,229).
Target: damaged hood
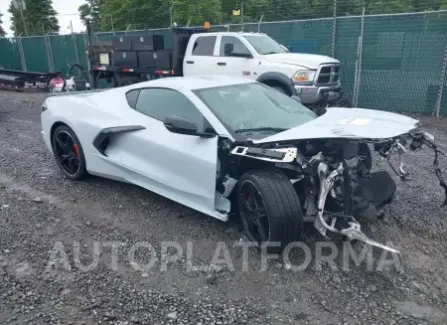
(310,61)
(352,123)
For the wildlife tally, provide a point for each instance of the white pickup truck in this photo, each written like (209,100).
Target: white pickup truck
(259,57)
(314,78)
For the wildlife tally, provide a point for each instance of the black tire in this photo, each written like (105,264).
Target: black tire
(281,89)
(81,171)
(127,81)
(282,206)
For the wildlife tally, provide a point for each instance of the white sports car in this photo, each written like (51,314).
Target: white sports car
(223,145)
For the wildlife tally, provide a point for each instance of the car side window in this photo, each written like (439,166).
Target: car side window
(232,46)
(160,103)
(132,97)
(204,46)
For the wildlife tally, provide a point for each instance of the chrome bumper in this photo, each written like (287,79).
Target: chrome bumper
(312,94)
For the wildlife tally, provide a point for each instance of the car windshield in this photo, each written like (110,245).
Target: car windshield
(254,110)
(265,45)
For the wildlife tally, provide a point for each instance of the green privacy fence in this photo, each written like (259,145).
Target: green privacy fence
(389,62)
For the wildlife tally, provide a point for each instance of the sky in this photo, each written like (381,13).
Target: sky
(67,11)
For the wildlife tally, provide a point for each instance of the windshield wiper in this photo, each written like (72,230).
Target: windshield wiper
(271,53)
(261,129)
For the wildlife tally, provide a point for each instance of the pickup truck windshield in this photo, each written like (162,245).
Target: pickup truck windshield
(265,45)
(254,110)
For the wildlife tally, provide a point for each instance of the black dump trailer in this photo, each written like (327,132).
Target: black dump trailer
(130,59)
(21,80)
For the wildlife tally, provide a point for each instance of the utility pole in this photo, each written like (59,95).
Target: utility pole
(242,16)
(111,22)
(21,5)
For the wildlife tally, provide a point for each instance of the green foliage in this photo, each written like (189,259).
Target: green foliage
(2,31)
(196,12)
(136,14)
(39,18)
(91,10)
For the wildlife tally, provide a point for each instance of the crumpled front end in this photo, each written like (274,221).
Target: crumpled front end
(334,180)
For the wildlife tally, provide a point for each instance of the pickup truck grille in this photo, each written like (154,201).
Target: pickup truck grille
(328,74)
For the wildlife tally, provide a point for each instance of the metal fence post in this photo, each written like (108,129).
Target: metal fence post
(358,65)
(334,28)
(22,54)
(259,23)
(75,44)
(49,51)
(441,84)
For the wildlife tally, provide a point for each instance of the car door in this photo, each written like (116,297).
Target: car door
(199,56)
(180,167)
(235,58)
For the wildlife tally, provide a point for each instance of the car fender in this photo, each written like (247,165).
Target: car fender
(280,78)
(80,115)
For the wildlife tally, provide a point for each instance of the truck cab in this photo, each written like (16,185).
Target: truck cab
(314,78)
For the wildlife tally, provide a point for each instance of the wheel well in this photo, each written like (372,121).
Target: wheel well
(276,83)
(54,127)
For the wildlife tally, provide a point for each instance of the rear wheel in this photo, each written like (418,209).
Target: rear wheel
(128,80)
(270,209)
(68,153)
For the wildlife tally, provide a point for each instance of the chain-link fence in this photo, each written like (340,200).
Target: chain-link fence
(390,62)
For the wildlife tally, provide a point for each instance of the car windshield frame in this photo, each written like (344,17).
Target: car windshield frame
(276,48)
(253,131)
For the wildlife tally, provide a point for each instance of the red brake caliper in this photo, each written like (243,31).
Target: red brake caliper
(76,149)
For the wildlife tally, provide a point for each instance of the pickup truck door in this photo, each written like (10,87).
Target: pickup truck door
(199,57)
(234,58)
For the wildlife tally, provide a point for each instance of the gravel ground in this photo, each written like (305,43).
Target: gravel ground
(45,218)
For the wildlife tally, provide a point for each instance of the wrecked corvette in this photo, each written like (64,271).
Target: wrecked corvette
(223,145)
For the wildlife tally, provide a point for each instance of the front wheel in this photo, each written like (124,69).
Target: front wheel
(280,89)
(270,209)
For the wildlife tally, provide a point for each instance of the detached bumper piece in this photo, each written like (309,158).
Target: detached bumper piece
(418,140)
(345,225)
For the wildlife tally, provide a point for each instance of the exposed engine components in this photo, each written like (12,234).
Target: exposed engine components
(334,181)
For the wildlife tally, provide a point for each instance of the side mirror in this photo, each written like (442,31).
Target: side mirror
(242,55)
(183,125)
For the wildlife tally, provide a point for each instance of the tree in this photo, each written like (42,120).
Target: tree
(2,31)
(38,18)
(196,12)
(91,11)
(136,14)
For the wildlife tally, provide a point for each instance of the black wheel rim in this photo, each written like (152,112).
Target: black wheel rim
(67,153)
(253,213)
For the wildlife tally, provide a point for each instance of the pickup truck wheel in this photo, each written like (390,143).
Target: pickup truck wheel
(270,209)
(126,81)
(281,89)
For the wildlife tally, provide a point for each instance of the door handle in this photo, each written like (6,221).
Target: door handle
(190,62)
(221,63)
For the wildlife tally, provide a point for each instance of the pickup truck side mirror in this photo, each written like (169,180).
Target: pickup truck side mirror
(242,55)
(183,125)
